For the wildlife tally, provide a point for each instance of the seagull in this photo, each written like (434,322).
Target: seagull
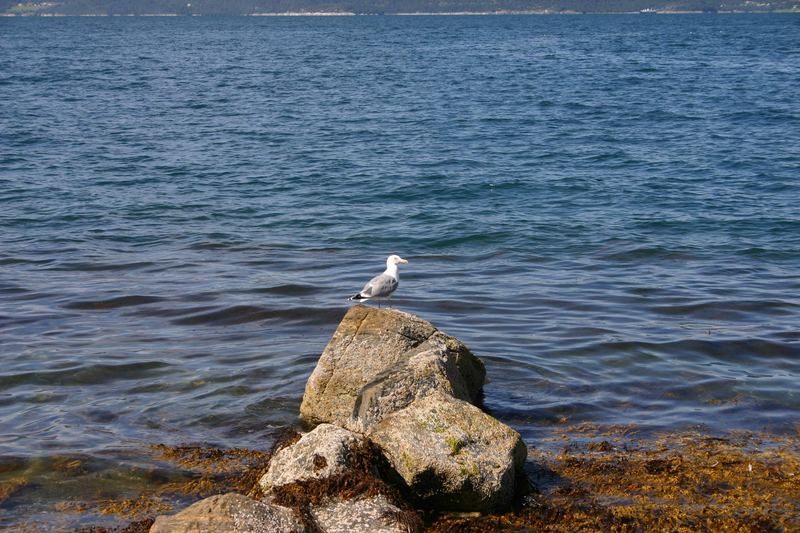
(383,285)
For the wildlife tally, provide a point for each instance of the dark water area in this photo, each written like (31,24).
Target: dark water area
(606,209)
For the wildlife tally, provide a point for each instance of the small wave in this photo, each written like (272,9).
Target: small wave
(662,115)
(124,169)
(24,261)
(13,290)
(169,312)
(439,243)
(736,350)
(83,375)
(285,290)
(729,309)
(614,155)
(98,267)
(113,303)
(760,252)
(241,314)
(206,245)
(649,252)
(788,336)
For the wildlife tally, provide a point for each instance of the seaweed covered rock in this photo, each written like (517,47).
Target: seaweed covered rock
(321,453)
(351,496)
(452,455)
(229,513)
(379,361)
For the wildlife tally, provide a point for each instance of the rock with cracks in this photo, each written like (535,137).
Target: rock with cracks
(452,455)
(381,360)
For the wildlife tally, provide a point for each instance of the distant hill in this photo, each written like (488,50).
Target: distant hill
(251,7)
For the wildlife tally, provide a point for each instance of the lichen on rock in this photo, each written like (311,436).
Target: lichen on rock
(451,454)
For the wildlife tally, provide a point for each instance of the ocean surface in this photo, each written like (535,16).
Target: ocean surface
(606,209)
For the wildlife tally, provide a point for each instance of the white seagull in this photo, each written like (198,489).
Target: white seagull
(383,285)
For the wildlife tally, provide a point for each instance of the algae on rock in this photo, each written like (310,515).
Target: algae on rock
(451,454)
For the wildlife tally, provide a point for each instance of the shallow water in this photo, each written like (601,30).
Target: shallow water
(604,208)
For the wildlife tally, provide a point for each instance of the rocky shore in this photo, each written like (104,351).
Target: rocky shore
(397,430)
(396,441)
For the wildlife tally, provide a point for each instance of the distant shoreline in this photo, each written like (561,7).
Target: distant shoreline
(411,14)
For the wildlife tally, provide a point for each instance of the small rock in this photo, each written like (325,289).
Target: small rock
(321,453)
(451,454)
(229,513)
(369,515)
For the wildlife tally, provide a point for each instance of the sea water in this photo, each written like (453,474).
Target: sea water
(605,209)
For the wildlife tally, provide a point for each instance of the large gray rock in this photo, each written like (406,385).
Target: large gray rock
(451,454)
(381,360)
(229,513)
(321,453)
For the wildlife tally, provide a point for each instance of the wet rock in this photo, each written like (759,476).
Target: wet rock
(451,454)
(229,513)
(321,453)
(379,361)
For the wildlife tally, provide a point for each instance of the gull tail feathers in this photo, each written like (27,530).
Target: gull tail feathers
(357,297)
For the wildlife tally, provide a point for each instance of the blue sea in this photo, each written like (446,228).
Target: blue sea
(605,209)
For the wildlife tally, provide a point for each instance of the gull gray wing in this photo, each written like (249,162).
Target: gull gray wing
(379,286)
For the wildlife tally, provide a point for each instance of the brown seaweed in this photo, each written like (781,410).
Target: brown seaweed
(583,478)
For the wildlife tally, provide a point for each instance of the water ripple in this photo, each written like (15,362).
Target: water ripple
(604,208)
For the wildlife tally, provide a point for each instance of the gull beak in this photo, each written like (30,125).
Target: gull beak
(403,261)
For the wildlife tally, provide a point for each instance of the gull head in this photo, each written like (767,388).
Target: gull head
(395,260)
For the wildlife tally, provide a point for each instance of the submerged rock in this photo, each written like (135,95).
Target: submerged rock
(379,361)
(452,455)
(229,513)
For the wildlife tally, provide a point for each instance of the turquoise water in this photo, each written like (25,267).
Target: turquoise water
(606,209)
